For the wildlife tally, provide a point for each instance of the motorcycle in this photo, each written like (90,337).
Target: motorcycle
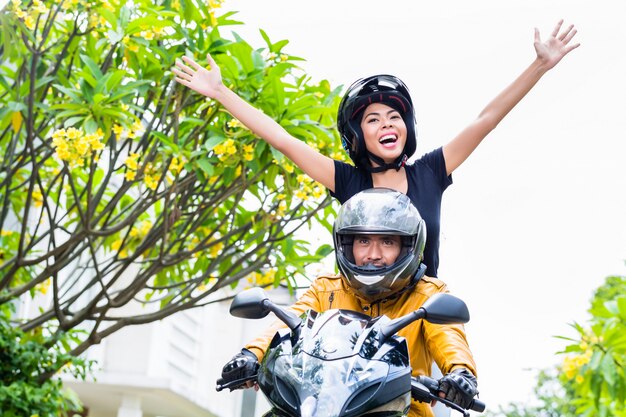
(342,363)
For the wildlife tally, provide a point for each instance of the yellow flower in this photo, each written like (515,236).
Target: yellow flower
(73,133)
(301,178)
(16,121)
(130,175)
(176,166)
(281,196)
(147,35)
(116,245)
(5,233)
(39,7)
(43,287)
(219,149)
(288,168)
(248,157)
(146,225)
(118,130)
(282,208)
(59,134)
(131,161)
(301,194)
(37,198)
(29,22)
(82,146)
(215,249)
(318,192)
(248,148)
(284,57)
(233,123)
(152,181)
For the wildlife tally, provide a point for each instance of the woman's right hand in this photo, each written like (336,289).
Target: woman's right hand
(205,81)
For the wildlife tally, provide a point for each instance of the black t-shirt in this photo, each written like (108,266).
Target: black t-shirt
(427,181)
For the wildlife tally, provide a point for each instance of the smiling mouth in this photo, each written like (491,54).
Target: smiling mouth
(388,139)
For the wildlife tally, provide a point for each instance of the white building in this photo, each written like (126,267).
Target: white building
(169,368)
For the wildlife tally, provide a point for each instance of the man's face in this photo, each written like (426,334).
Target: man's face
(377,250)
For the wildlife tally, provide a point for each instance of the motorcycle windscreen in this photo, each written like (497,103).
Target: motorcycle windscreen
(329,387)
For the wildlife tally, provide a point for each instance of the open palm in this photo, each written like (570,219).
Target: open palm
(556,46)
(202,80)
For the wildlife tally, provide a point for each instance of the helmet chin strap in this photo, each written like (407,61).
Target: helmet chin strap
(384,166)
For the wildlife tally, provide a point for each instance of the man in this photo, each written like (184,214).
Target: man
(379,240)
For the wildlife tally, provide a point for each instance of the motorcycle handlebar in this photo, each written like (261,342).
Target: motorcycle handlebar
(423,389)
(233,385)
(432,386)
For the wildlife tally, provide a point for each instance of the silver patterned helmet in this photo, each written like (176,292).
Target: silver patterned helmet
(380,211)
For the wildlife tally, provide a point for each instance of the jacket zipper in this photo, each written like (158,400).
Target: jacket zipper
(330,300)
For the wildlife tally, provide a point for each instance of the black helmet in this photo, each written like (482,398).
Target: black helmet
(380,211)
(382,88)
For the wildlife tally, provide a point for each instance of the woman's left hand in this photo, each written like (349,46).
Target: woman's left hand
(556,46)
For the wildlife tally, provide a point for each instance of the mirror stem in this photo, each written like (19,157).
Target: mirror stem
(290,319)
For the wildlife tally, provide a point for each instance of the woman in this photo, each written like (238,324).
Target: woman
(377,124)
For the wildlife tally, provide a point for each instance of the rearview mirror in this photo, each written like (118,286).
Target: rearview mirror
(445,309)
(254,304)
(250,304)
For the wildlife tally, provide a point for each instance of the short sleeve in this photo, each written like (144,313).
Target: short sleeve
(437,163)
(349,181)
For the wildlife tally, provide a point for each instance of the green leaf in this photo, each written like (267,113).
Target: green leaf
(206,166)
(93,67)
(213,141)
(324,250)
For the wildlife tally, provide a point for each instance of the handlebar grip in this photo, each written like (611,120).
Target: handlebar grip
(477,405)
(235,384)
(433,386)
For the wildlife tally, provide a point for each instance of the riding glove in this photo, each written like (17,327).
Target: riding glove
(243,365)
(459,386)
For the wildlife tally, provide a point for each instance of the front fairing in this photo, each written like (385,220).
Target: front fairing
(336,368)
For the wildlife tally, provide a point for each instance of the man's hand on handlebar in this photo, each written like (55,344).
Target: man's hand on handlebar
(459,386)
(243,365)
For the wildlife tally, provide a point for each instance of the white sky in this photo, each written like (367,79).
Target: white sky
(536,218)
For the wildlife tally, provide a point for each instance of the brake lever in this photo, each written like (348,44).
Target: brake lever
(233,385)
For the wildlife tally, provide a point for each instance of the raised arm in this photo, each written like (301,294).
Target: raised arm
(208,82)
(549,53)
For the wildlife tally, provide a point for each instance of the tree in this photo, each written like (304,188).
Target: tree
(121,188)
(591,380)
(23,358)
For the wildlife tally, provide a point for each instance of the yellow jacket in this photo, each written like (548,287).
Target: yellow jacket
(445,344)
